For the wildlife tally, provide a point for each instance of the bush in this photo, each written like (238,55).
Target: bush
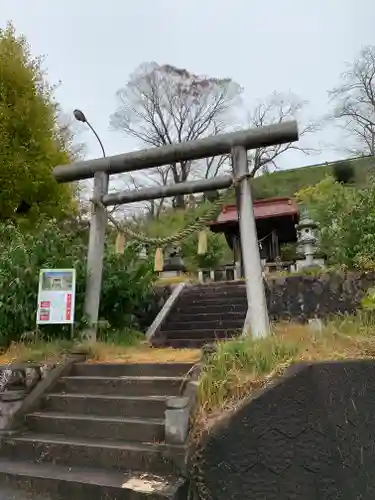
(288,252)
(126,280)
(346,219)
(329,203)
(343,172)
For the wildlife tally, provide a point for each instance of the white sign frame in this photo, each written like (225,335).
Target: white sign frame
(56,297)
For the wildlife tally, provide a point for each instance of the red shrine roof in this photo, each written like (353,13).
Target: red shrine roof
(263,209)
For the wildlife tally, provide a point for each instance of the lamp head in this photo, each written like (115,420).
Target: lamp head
(79,115)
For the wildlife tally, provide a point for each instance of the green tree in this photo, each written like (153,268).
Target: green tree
(32,141)
(347,221)
(172,220)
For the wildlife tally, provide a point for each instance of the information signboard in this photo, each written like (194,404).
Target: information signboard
(56,296)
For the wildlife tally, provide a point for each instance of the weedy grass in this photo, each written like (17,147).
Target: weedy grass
(117,346)
(242,365)
(38,351)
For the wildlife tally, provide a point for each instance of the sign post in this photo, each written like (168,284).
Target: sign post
(56,297)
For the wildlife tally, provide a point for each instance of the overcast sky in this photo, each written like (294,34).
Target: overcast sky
(92,46)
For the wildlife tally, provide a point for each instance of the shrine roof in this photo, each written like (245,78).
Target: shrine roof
(263,209)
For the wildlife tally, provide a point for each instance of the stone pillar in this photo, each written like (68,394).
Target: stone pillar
(237,255)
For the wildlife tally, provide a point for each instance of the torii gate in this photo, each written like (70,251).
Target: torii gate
(237,144)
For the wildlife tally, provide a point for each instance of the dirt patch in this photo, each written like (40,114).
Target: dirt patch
(106,353)
(51,352)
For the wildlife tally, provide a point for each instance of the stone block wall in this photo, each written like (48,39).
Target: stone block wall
(292,298)
(301,297)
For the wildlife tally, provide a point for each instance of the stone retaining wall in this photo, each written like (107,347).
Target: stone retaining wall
(296,298)
(301,297)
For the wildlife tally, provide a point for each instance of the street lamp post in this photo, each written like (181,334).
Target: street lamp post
(81,117)
(95,254)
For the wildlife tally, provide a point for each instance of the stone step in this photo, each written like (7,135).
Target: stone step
(219,315)
(213,299)
(201,305)
(225,295)
(107,406)
(89,426)
(131,370)
(66,483)
(188,343)
(123,386)
(211,334)
(194,325)
(218,284)
(156,458)
(203,308)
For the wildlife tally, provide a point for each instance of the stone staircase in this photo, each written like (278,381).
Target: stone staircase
(203,314)
(100,433)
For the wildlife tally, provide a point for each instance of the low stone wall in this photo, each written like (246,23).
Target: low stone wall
(299,298)
(16,382)
(310,435)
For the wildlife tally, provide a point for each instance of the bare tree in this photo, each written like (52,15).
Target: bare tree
(162,105)
(277,108)
(354,102)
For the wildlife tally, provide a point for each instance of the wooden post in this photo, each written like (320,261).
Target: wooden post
(95,255)
(257,316)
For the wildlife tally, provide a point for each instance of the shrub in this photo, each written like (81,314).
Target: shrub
(343,172)
(331,204)
(126,280)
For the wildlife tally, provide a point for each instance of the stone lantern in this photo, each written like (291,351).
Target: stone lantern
(173,264)
(307,238)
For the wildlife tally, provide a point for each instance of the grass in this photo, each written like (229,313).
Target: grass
(142,353)
(116,347)
(288,182)
(36,352)
(241,366)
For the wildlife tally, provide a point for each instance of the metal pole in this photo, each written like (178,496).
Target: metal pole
(95,256)
(257,305)
(97,137)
